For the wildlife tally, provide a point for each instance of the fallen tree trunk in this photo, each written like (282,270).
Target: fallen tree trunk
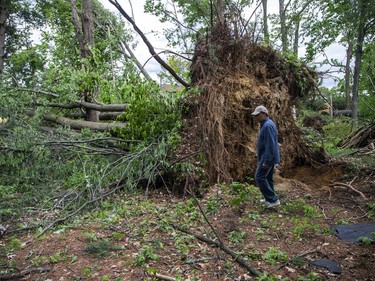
(80,124)
(89,105)
(102,115)
(359,138)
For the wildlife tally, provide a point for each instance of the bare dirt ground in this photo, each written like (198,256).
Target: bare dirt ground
(132,237)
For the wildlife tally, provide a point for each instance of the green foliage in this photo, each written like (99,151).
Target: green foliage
(101,248)
(241,194)
(13,244)
(312,276)
(267,277)
(146,253)
(299,206)
(181,68)
(305,228)
(188,211)
(371,207)
(212,205)
(151,114)
(274,255)
(236,236)
(335,131)
(365,240)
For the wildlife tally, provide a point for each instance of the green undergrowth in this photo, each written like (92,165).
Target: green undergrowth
(149,223)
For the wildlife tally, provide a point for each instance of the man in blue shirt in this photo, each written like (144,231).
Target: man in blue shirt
(268,156)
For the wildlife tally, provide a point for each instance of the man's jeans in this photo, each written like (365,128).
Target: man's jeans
(264,179)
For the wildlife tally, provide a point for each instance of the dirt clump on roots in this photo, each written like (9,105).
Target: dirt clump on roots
(233,77)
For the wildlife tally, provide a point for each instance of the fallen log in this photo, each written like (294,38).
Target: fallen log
(360,138)
(102,115)
(89,105)
(81,124)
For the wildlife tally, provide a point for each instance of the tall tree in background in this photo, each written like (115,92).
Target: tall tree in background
(351,24)
(15,40)
(283,29)
(290,18)
(4,14)
(265,22)
(365,22)
(84,30)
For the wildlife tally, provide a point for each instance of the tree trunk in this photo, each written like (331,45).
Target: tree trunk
(88,42)
(347,72)
(265,23)
(357,63)
(84,31)
(79,124)
(220,12)
(296,38)
(77,25)
(284,36)
(4,14)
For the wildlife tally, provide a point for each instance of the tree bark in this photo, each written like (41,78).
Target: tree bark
(296,38)
(4,14)
(88,42)
(102,115)
(347,72)
(79,124)
(220,12)
(265,22)
(77,25)
(84,31)
(358,59)
(283,31)
(91,106)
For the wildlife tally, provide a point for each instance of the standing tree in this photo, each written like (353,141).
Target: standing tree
(84,31)
(348,23)
(4,14)
(265,22)
(17,41)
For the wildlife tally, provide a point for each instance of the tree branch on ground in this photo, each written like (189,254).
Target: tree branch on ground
(236,257)
(293,259)
(21,274)
(345,186)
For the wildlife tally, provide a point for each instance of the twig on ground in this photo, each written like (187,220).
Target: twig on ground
(163,277)
(205,217)
(223,247)
(292,259)
(23,273)
(344,185)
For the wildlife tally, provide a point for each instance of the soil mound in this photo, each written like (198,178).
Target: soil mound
(234,76)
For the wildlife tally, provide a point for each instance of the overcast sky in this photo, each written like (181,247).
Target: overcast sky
(152,28)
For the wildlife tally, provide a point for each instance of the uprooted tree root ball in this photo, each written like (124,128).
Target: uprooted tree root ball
(234,76)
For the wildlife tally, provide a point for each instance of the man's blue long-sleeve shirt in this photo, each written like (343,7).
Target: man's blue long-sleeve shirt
(267,145)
